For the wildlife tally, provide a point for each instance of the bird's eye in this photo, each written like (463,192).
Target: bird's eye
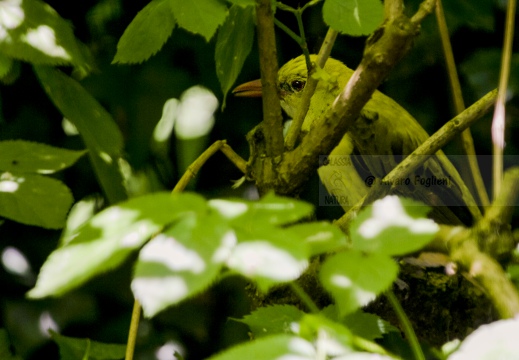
(297,85)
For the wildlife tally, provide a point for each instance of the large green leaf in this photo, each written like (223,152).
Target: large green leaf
(31,30)
(25,156)
(105,240)
(146,34)
(233,45)
(354,278)
(270,320)
(182,261)
(321,237)
(97,128)
(74,348)
(199,17)
(34,200)
(353,17)
(392,226)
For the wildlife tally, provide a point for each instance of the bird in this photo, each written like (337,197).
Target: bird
(380,138)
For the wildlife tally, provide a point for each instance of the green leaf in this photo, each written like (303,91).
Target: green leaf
(322,237)
(477,15)
(353,17)
(5,347)
(392,226)
(270,320)
(32,31)
(74,348)
(182,261)
(146,34)
(268,255)
(25,156)
(6,64)
(497,340)
(274,347)
(233,45)
(332,338)
(354,278)
(199,17)
(34,200)
(97,128)
(269,210)
(243,3)
(105,240)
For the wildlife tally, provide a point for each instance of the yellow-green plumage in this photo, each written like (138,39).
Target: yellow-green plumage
(383,134)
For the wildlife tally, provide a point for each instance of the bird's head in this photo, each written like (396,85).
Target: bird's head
(292,78)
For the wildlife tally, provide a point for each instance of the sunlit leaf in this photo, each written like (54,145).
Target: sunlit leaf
(392,226)
(330,338)
(75,348)
(322,237)
(182,261)
(354,279)
(353,17)
(199,17)
(274,347)
(233,45)
(146,34)
(34,200)
(105,240)
(276,319)
(25,156)
(32,31)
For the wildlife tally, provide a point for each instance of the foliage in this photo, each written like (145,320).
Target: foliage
(182,246)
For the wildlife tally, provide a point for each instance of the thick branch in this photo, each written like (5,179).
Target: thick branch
(269,68)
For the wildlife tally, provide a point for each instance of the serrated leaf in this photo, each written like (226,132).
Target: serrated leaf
(269,210)
(274,347)
(392,226)
(25,156)
(354,279)
(270,320)
(75,348)
(199,17)
(233,45)
(105,240)
(146,34)
(321,237)
(99,131)
(353,17)
(32,31)
(34,200)
(181,262)
(268,255)
(497,340)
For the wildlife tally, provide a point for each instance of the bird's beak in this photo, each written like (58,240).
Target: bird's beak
(249,89)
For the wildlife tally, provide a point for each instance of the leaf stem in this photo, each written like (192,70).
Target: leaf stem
(406,325)
(132,334)
(307,300)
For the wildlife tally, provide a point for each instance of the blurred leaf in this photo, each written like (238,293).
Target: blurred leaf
(32,31)
(105,240)
(97,128)
(269,210)
(268,255)
(497,340)
(34,200)
(74,348)
(353,17)
(331,338)
(271,348)
(322,237)
(80,212)
(146,34)
(243,3)
(354,278)
(5,347)
(6,64)
(199,17)
(233,45)
(392,226)
(270,320)
(25,156)
(477,15)
(181,262)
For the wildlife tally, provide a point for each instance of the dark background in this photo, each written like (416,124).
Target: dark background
(135,94)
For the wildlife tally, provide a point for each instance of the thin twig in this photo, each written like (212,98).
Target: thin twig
(466,137)
(132,333)
(498,122)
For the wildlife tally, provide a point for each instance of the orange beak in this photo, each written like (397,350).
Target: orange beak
(249,89)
